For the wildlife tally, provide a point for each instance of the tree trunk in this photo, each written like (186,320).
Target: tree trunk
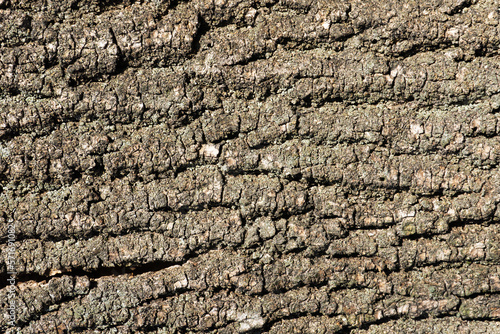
(266,166)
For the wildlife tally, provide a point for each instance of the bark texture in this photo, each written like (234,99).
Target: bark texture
(262,166)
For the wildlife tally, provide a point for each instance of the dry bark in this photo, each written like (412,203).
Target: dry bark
(251,166)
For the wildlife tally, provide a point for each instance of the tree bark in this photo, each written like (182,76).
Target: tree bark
(266,166)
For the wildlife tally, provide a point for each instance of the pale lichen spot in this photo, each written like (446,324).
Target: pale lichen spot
(209,151)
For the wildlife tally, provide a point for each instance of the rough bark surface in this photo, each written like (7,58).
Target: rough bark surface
(262,166)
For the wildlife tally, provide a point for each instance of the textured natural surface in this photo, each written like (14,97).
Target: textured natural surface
(226,166)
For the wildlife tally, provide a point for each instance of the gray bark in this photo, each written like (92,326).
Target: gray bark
(266,166)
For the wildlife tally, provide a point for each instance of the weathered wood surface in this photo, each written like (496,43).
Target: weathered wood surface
(251,166)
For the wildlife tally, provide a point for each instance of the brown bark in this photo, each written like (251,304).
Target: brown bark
(250,166)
